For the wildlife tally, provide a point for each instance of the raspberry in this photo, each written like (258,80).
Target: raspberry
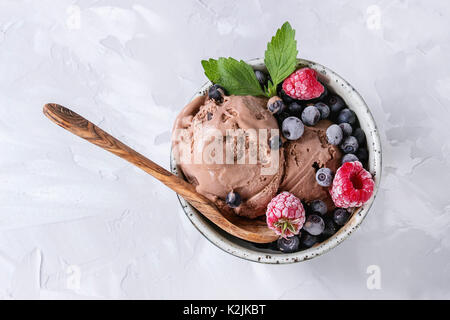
(285,214)
(352,185)
(303,85)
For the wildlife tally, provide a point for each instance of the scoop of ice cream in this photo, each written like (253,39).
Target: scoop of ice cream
(302,159)
(207,133)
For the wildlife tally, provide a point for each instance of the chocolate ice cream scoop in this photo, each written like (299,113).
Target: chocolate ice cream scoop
(303,157)
(254,170)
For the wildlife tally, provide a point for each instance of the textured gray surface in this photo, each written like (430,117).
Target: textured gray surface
(76,222)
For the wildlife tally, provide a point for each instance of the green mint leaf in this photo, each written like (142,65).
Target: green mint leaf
(271,89)
(238,78)
(281,56)
(211,70)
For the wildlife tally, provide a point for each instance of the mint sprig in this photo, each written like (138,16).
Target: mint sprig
(211,68)
(281,57)
(238,78)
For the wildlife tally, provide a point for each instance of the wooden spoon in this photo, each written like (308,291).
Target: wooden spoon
(250,230)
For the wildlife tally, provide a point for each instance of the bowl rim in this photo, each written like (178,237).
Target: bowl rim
(234,246)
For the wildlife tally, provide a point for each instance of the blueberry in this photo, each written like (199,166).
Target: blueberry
(324,93)
(216,93)
(340,216)
(287,99)
(334,134)
(362,154)
(346,128)
(314,225)
(324,177)
(275,142)
(281,117)
(308,240)
(295,109)
(233,199)
(349,157)
(323,109)
(292,128)
(310,116)
(275,105)
(262,78)
(346,115)
(288,245)
(318,206)
(335,103)
(330,228)
(360,136)
(349,145)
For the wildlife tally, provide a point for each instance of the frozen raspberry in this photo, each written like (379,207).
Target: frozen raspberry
(303,85)
(352,185)
(285,214)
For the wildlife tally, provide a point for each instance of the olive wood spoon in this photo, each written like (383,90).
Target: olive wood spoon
(243,228)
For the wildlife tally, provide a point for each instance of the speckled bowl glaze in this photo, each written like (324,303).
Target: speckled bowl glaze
(249,251)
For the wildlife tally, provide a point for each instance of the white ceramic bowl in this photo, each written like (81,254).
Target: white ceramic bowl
(249,251)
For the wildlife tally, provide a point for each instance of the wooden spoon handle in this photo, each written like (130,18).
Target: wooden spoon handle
(85,129)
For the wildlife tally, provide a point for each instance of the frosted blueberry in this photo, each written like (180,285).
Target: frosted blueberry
(216,93)
(346,129)
(349,157)
(288,245)
(318,206)
(295,109)
(233,199)
(275,105)
(275,142)
(324,177)
(314,225)
(310,116)
(323,109)
(307,240)
(349,145)
(292,128)
(346,115)
(262,78)
(335,103)
(330,228)
(334,134)
(341,216)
